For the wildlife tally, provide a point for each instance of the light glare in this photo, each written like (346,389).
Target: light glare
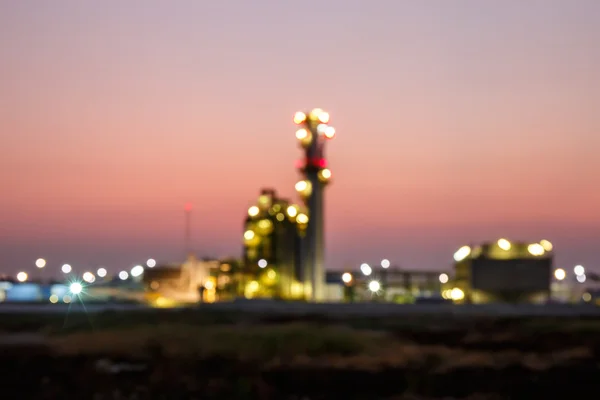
(75,288)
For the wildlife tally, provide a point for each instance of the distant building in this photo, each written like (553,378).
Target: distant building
(272,242)
(504,271)
(396,285)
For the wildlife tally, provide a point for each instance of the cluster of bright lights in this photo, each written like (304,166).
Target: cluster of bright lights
(314,125)
(261,217)
(579,271)
(454,294)
(88,277)
(534,249)
(366,269)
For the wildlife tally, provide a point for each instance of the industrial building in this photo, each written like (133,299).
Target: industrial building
(503,271)
(272,240)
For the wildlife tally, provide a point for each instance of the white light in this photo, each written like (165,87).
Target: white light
(123,275)
(137,271)
(579,270)
(22,276)
(66,268)
(262,263)
(462,253)
(385,263)
(89,277)
(374,286)
(560,274)
(366,269)
(101,272)
(75,288)
(40,263)
(151,263)
(581,278)
(347,277)
(443,278)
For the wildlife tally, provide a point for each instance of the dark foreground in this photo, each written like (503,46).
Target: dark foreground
(194,356)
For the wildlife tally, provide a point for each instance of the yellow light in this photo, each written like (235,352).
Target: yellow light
(280,217)
(443,278)
(299,117)
(457,294)
(54,299)
(209,285)
(249,235)
(347,277)
(560,274)
(302,134)
(271,274)
(325,175)
(462,253)
(302,219)
(547,245)
(304,188)
(253,211)
(67,299)
(301,186)
(536,249)
(504,244)
(265,227)
(587,297)
(253,286)
(22,276)
(324,117)
(292,211)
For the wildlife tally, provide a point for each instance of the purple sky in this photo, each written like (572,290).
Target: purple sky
(458,121)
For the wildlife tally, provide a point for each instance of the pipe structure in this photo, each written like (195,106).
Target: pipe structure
(313,133)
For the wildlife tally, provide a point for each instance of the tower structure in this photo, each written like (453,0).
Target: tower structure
(312,134)
(188,229)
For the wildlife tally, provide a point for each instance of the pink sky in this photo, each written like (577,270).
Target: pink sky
(457,122)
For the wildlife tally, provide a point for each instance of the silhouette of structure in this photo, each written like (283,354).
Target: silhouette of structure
(504,271)
(312,135)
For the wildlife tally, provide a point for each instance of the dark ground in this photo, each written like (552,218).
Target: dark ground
(194,355)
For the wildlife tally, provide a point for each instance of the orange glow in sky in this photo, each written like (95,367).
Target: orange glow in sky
(456,122)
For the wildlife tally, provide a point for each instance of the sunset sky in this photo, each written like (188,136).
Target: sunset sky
(458,121)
